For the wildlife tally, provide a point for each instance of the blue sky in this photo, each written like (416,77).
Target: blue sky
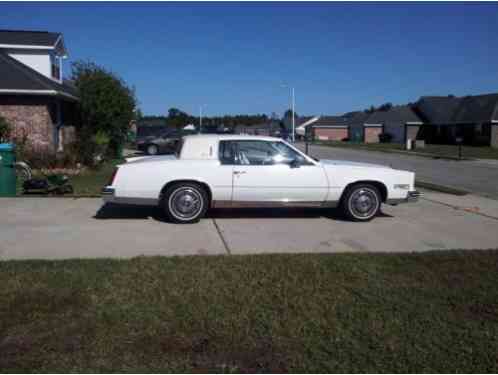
(233,57)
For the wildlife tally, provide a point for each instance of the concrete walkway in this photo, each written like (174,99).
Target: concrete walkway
(56,228)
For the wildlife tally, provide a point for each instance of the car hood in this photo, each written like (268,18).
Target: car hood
(347,163)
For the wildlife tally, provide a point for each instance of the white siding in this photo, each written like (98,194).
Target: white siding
(36,59)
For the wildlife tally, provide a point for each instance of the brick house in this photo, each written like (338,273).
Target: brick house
(325,128)
(34,97)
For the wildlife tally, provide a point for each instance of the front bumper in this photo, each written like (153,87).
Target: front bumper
(412,196)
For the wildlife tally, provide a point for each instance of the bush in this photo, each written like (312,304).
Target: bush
(4,130)
(385,138)
(345,139)
(107,109)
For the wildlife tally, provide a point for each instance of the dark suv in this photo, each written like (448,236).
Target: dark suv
(163,143)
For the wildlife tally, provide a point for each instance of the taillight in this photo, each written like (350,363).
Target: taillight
(113,176)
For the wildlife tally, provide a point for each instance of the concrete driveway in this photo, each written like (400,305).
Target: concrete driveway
(54,228)
(479,177)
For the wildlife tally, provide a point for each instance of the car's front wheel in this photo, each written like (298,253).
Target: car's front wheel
(361,202)
(185,202)
(152,150)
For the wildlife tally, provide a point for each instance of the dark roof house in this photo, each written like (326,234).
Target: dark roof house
(437,109)
(23,38)
(394,121)
(476,109)
(34,96)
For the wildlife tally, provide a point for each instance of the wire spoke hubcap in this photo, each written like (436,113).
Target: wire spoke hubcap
(364,203)
(185,203)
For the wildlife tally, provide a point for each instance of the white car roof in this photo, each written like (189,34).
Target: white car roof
(205,146)
(221,137)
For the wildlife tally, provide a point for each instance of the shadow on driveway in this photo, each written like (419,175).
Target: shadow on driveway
(115,211)
(122,211)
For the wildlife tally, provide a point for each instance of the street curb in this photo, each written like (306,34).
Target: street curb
(427,155)
(440,188)
(401,152)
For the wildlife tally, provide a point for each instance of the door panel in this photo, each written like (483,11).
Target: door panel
(279,183)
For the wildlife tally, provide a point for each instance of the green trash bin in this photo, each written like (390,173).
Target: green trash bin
(7,170)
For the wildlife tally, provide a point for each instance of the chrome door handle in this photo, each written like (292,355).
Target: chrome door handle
(239,172)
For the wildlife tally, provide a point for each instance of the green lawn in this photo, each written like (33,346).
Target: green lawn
(472,152)
(88,183)
(92,181)
(432,312)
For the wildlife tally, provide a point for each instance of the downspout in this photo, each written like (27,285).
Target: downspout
(60,68)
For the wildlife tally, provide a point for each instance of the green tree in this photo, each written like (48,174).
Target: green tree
(138,114)
(106,105)
(179,119)
(288,114)
(385,107)
(4,130)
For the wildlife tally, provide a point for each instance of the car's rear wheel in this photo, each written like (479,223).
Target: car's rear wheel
(361,202)
(152,150)
(185,202)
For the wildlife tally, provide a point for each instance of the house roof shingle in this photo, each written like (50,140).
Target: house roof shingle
(478,108)
(399,114)
(447,110)
(19,78)
(29,38)
(437,109)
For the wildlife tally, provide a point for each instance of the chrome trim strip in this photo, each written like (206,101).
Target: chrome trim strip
(272,204)
(109,198)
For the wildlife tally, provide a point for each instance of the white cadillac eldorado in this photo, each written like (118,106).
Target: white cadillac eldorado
(252,171)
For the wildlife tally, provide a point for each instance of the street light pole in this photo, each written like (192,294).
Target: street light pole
(293,116)
(293,105)
(200,118)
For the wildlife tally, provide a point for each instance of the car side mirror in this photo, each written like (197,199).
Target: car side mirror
(295,163)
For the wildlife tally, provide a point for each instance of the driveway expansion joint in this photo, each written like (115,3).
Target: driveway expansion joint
(223,240)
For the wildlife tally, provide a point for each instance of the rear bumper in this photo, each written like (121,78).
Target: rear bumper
(108,195)
(412,196)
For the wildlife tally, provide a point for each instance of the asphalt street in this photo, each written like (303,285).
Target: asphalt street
(477,177)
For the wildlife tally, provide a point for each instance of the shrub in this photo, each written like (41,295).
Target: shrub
(4,130)
(345,139)
(385,138)
(107,108)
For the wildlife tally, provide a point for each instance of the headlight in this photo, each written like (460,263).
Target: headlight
(402,186)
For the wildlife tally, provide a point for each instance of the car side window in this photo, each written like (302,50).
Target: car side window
(255,153)
(289,153)
(258,153)
(226,153)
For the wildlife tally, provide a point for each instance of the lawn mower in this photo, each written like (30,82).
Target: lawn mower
(51,183)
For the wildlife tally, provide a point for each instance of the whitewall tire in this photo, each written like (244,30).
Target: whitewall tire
(185,203)
(361,202)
